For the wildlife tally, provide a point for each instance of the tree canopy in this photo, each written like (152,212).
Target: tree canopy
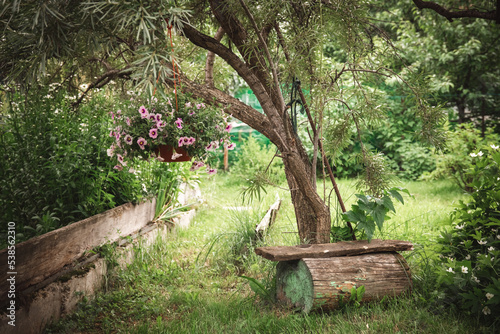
(348,54)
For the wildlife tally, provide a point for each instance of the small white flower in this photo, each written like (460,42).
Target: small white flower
(494,147)
(467,257)
(482,242)
(489,296)
(480,154)
(459,227)
(491,249)
(498,236)
(450,270)
(473,155)
(465,270)
(486,310)
(475,279)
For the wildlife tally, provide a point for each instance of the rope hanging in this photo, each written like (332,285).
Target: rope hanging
(175,69)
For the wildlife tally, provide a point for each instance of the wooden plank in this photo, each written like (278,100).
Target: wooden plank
(45,255)
(344,248)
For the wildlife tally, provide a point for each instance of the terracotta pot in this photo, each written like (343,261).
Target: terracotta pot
(166,152)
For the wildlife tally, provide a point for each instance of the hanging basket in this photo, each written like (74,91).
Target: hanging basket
(166,152)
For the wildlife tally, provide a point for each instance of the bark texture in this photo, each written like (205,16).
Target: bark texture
(313,215)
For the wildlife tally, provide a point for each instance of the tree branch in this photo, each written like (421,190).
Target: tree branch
(450,15)
(209,65)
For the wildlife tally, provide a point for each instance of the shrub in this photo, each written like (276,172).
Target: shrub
(54,169)
(470,256)
(456,159)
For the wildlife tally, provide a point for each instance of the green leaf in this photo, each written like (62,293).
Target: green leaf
(368,227)
(379,215)
(388,203)
(396,195)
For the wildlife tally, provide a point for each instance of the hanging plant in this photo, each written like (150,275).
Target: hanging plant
(141,126)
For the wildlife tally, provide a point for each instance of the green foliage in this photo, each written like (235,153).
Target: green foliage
(54,168)
(470,260)
(259,167)
(456,160)
(371,212)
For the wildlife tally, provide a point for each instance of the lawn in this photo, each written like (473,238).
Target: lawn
(188,281)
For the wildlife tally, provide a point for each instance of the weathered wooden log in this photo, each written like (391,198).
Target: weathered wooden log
(323,283)
(343,248)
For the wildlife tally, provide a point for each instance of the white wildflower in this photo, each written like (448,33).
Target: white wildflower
(491,249)
(465,270)
(494,147)
(475,279)
(450,270)
(482,242)
(480,154)
(459,227)
(486,310)
(467,257)
(473,155)
(489,296)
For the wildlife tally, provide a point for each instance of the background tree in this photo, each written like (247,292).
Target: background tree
(266,44)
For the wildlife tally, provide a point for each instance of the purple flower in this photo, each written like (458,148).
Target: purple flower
(112,115)
(181,141)
(141,142)
(143,111)
(196,165)
(120,159)
(153,133)
(112,134)
(191,141)
(117,135)
(152,117)
(229,127)
(158,117)
(231,146)
(209,147)
(118,167)
(161,124)
(128,121)
(129,140)
(211,171)
(188,104)
(178,122)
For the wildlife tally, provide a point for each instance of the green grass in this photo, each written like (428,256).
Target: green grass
(188,282)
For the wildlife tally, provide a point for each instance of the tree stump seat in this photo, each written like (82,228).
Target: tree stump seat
(321,276)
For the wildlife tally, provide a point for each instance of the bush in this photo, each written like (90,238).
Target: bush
(54,169)
(470,256)
(254,158)
(456,160)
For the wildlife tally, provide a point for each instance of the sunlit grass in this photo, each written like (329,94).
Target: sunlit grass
(181,285)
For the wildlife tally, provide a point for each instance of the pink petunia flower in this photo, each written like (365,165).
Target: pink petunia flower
(120,159)
(141,142)
(211,171)
(143,111)
(196,165)
(191,141)
(110,151)
(176,155)
(231,146)
(129,140)
(128,121)
(228,127)
(118,167)
(178,122)
(158,118)
(161,124)
(153,133)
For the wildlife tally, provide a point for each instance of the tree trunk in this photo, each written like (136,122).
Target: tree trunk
(313,215)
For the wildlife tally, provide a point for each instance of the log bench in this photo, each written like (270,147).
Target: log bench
(321,276)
